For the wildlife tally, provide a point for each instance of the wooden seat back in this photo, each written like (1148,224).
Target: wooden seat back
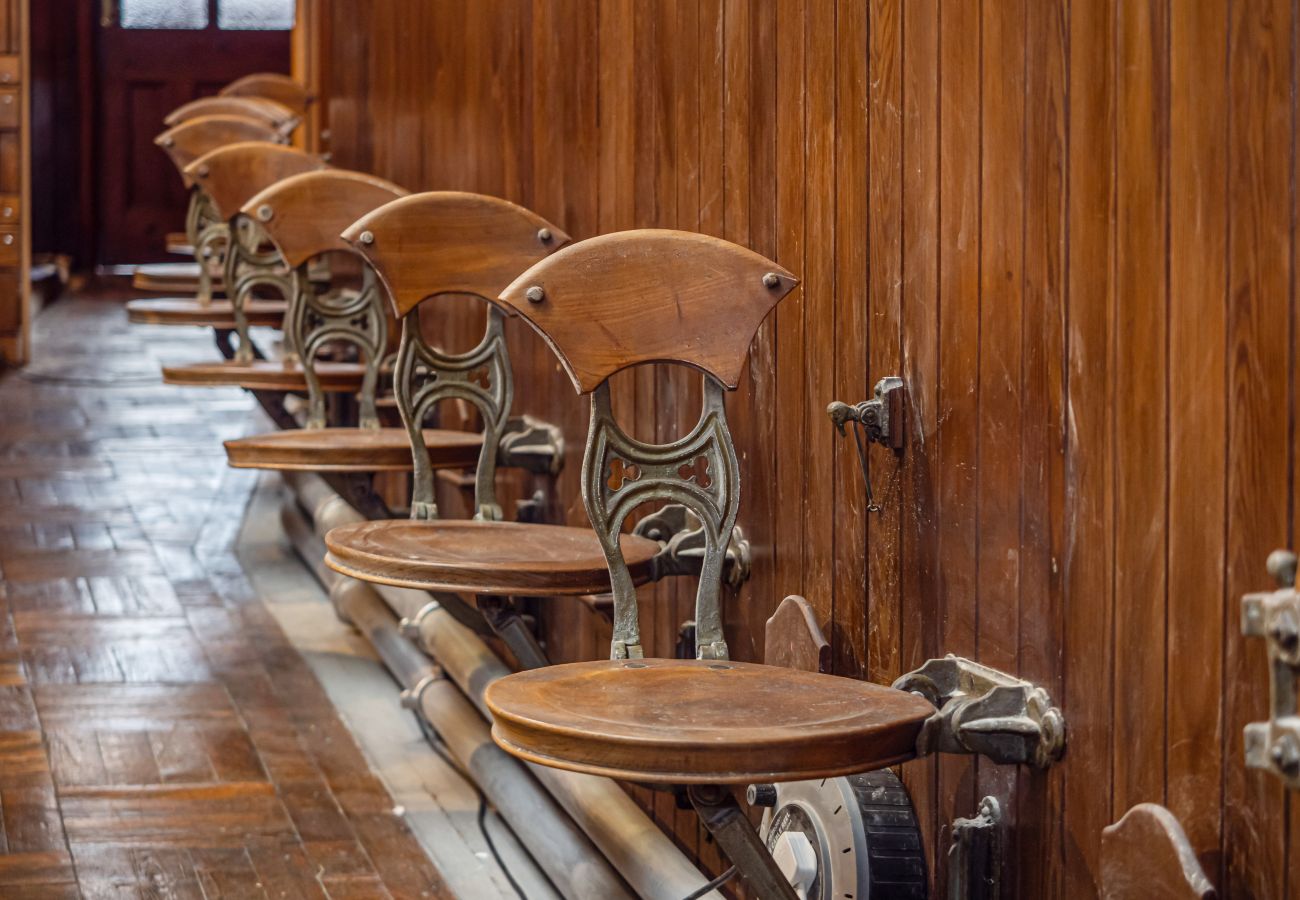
(273,86)
(189,140)
(655,296)
(305,215)
(230,175)
(447,242)
(280,117)
(650,295)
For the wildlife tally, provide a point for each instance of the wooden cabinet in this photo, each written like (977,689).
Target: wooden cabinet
(15,186)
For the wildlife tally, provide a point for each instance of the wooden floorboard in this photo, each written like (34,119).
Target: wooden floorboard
(158,735)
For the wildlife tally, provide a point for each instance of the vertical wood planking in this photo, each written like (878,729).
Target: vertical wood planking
(919,598)
(819,292)
(1089,547)
(856,155)
(1199,612)
(1001,264)
(1140,412)
(884,218)
(958,412)
(1043,502)
(787,547)
(1259,451)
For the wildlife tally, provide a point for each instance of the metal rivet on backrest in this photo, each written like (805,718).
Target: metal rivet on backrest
(366,237)
(265,213)
(544,235)
(535,294)
(771,279)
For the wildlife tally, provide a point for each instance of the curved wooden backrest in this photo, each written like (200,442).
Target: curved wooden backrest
(448,242)
(305,215)
(190,140)
(650,295)
(277,115)
(273,86)
(231,175)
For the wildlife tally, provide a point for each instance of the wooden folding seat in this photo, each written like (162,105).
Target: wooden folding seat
(273,86)
(604,305)
(229,177)
(280,117)
(183,144)
(305,216)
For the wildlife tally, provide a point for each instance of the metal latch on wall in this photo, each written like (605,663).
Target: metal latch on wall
(1275,616)
(880,419)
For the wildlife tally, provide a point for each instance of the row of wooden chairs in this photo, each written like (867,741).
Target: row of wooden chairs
(271,213)
(360,355)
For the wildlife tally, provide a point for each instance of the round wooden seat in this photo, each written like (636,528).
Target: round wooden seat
(670,721)
(482,557)
(170,278)
(216,314)
(266,375)
(350,450)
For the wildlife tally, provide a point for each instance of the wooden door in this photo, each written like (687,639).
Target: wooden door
(154,55)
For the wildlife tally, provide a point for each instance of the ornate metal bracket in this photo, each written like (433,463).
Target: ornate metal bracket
(975,856)
(425,376)
(684,541)
(880,417)
(532,445)
(699,471)
(1274,745)
(248,267)
(985,712)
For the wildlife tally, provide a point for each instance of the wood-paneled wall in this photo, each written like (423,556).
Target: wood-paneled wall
(1069,224)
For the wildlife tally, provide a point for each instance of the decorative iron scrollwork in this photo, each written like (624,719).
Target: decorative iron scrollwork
(317,320)
(425,376)
(209,236)
(664,472)
(249,267)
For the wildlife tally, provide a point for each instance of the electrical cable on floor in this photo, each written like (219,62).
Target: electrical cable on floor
(439,747)
(712,885)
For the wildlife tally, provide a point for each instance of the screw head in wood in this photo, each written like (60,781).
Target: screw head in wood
(544,235)
(205,170)
(535,294)
(771,279)
(265,213)
(366,237)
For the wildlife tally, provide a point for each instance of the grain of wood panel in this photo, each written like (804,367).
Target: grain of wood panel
(1039,866)
(1089,539)
(920,370)
(958,396)
(1260,453)
(867,334)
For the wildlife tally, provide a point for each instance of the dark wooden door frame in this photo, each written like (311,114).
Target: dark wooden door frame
(227,57)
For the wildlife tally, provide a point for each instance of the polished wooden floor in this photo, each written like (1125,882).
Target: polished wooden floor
(158,736)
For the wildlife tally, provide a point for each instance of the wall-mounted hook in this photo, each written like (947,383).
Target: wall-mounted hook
(881,417)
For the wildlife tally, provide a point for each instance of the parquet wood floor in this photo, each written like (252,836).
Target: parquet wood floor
(158,735)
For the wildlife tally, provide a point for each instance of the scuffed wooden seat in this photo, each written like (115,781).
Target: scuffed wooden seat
(654,296)
(350,450)
(671,721)
(267,375)
(172,278)
(492,558)
(214,314)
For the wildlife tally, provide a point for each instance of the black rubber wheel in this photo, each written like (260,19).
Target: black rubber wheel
(895,850)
